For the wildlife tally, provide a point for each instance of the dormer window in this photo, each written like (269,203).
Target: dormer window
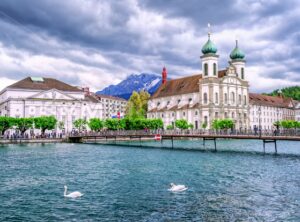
(178,101)
(190,100)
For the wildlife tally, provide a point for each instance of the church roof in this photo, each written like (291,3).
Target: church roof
(43,84)
(275,101)
(185,85)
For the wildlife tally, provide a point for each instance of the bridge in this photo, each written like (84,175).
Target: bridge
(205,135)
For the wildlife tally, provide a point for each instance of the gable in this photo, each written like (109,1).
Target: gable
(52,95)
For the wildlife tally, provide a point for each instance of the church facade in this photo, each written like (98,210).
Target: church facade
(214,94)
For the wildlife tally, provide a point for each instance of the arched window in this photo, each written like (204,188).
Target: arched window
(205,119)
(216,97)
(205,98)
(215,69)
(205,69)
(232,115)
(232,97)
(240,99)
(245,100)
(242,73)
(226,98)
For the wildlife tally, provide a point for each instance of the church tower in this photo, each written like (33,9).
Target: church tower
(237,60)
(209,58)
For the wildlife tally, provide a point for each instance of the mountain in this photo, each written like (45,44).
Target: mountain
(134,82)
(292,92)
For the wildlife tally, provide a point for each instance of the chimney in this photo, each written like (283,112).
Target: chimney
(164,75)
(86,90)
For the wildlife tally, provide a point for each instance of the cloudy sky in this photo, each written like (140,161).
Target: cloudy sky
(99,42)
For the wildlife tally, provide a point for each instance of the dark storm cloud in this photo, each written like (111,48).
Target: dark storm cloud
(131,36)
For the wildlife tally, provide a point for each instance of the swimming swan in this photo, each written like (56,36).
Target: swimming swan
(73,194)
(177,188)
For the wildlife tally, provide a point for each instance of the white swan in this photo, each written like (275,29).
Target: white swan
(177,188)
(73,194)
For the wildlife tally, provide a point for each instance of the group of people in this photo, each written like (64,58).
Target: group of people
(32,135)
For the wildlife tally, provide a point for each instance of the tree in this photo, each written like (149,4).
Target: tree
(181,124)
(222,124)
(292,92)
(137,105)
(204,125)
(80,124)
(170,127)
(95,124)
(45,123)
(5,123)
(24,124)
(115,124)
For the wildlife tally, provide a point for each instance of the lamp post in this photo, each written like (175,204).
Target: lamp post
(259,120)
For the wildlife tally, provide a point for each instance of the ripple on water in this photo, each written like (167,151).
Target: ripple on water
(130,184)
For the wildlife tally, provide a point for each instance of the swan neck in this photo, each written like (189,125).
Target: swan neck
(65,192)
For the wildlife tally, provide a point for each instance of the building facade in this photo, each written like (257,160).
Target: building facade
(37,96)
(218,94)
(214,94)
(266,110)
(113,107)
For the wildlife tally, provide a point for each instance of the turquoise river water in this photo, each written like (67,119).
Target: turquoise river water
(130,184)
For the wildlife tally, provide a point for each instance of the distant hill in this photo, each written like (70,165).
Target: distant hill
(134,82)
(292,92)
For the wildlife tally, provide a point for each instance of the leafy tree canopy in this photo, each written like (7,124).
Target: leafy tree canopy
(222,124)
(6,123)
(182,124)
(292,92)
(24,124)
(45,123)
(137,105)
(80,124)
(95,124)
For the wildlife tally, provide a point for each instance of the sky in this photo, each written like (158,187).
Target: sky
(96,43)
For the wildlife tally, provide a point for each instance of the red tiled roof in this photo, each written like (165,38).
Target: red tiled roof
(276,101)
(185,85)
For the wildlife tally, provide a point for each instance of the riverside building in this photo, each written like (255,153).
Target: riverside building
(38,96)
(217,94)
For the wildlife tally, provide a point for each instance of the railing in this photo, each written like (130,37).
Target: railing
(258,133)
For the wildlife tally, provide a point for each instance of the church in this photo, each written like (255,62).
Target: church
(214,94)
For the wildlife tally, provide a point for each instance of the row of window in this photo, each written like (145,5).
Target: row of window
(232,98)
(215,70)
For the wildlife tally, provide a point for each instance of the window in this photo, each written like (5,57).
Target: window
(205,119)
(216,115)
(240,99)
(215,69)
(245,100)
(196,113)
(242,73)
(183,113)
(205,69)
(190,99)
(232,97)
(232,115)
(178,101)
(226,115)
(205,98)
(225,98)
(216,97)
(173,114)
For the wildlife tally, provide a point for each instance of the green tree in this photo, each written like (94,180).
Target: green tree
(95,124)
(45,123)
(170,127)
(6,123)
(115,124)
(181,124)
(137,105)
(24,124)
(204,125)
(80,124)
(292,92)
(222,124)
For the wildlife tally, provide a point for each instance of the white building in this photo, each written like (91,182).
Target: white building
(217,94)
(201,98)
(266,110)
(37,96)
(113,107)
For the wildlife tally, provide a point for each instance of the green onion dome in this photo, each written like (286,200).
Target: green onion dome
(237,53)
(209,47)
